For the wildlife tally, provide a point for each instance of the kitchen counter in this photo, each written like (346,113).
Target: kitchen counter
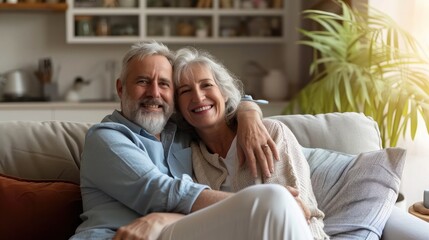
(86,111)
(273,108)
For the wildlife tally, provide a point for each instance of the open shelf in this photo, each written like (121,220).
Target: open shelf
(176,23)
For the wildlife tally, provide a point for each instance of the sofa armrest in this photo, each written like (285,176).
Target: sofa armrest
(404,226)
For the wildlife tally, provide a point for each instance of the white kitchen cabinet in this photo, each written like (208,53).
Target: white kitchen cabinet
(25,115)
(62,111)
(208,21)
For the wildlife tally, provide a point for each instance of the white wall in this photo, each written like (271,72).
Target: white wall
(26,36)
(415,176)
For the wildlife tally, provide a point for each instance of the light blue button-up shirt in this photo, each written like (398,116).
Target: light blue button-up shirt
(127,173)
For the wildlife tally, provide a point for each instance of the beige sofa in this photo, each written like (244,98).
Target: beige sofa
(50,150)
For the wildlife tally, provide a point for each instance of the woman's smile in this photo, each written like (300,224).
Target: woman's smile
(202,109)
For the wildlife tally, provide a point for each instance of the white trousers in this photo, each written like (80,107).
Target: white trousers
(260,212)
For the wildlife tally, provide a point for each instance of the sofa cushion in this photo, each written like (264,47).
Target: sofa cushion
(348,132)
(38,209)
(356,192)
(42,150)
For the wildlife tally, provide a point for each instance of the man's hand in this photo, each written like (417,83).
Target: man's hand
(305,209)
(148,227)
(253,141)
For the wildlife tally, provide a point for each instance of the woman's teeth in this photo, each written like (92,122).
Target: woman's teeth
(202,109)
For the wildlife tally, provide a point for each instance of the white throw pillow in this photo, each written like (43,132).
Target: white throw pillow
(356,192)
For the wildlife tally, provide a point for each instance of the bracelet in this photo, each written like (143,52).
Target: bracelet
(250,99)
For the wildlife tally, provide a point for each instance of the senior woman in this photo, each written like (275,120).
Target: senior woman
(207,96)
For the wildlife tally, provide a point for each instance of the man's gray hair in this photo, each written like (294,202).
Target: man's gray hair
(230,86)
(142,50)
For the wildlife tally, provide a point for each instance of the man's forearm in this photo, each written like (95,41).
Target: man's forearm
(209,197)
(253,140)
(247,107)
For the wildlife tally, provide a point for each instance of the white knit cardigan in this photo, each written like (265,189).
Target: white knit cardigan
(291,170)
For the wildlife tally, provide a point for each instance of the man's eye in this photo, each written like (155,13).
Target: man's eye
(143,81)
(164,84)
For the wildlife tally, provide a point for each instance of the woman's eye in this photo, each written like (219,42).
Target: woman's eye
(182,91)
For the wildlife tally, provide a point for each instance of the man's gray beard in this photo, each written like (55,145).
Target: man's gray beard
(153,122)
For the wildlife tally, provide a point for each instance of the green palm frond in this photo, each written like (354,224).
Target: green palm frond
(364,62)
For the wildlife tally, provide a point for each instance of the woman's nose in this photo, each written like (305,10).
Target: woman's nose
(198,95)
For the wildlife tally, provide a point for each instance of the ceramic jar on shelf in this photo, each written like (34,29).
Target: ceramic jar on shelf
(84,26)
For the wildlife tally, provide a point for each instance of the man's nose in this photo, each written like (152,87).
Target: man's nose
(153,90)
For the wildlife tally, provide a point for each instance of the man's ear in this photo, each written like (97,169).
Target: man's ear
(119,87)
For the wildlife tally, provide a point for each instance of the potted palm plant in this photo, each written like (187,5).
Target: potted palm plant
(364,62)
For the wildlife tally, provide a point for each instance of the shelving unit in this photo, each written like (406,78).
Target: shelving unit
(211,24)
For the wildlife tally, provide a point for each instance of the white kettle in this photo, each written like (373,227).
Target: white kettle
(275,85)
(73,94)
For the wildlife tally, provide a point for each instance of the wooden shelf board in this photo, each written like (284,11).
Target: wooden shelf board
(60,7)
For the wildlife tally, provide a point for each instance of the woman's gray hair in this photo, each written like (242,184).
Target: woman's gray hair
(142,50)
(230,86)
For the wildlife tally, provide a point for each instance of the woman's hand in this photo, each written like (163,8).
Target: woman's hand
(254,143)
(148,227)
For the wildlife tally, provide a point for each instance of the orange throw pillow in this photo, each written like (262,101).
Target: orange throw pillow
(42,209)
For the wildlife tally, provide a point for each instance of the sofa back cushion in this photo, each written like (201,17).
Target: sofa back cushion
(348,132)
(45,150)
(51,149)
